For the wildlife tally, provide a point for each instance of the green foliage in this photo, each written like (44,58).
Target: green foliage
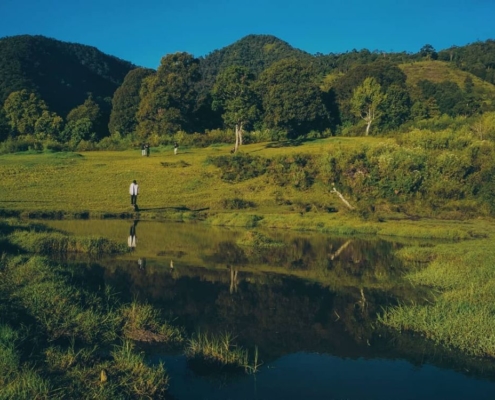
(85,122)
(125,102)
(60,73)
(254,52)
(291,98)
(366,101)
(168,97)
(23,109)
(239,167)
(237,204)
(233,93)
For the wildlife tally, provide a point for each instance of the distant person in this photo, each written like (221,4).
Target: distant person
(143,149)
(147,149)
(176,148)
(134,191)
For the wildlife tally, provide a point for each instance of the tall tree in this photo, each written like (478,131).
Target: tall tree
(291,98)
(85,122)
(233,93)
(22,110)
(168,98)
(366,101)
(125,102)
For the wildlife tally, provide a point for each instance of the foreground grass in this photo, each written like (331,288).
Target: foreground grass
(462,314)
(61,339)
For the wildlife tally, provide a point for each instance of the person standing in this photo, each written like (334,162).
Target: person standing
(176,148)
(134,191)
(143,149)
(147,149)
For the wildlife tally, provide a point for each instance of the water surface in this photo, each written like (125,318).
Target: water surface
(308,302)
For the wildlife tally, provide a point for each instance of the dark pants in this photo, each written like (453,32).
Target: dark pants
(133,199)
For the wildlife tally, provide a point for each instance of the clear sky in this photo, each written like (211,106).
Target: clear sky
(144,31)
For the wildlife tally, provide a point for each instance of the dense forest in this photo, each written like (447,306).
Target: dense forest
(64,94)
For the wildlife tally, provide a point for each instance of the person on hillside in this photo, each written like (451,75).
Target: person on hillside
(176,148)
(147,149)
(143,149)
(134,191)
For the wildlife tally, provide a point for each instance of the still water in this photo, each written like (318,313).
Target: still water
(307,301)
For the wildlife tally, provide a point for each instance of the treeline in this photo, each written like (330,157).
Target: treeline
(258,84)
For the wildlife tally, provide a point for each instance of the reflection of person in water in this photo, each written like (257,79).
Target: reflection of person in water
(132,240)
(142,263)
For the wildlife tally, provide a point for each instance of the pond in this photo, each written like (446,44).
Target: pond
(307,301)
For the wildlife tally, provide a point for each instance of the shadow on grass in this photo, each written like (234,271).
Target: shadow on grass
(289,143)
(183,208)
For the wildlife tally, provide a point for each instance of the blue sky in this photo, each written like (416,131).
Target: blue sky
(144,31)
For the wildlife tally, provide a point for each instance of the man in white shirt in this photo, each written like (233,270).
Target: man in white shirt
(134,191)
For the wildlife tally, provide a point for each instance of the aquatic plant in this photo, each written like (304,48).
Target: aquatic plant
(219,351)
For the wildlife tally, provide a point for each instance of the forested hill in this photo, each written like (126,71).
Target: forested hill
(256,52)
(61,73)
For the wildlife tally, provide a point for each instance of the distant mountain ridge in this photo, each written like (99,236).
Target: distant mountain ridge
(61,73)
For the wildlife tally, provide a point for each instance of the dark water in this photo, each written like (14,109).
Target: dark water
(307,301)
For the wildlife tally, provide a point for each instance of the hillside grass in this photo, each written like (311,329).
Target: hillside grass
(440,71)
(95,184)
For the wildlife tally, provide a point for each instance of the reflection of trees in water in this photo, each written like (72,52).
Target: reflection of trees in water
(338,257)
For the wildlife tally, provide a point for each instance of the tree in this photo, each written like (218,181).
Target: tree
(233,93)
(85,122)
(49,125)
(168,97)
(366,101)
(396,107)
(428,51)
(125,102)
(22,110)
(291,98)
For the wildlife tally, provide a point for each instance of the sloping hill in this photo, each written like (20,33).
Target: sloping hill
(61,73)
(440,71)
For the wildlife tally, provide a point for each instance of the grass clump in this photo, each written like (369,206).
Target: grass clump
(144,323)
(219,352)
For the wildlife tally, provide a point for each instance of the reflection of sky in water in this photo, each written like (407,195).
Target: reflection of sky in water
(312,376)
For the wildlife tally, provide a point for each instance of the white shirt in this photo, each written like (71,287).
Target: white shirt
(134,188)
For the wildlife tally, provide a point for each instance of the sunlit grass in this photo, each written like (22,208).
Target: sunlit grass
(461,316)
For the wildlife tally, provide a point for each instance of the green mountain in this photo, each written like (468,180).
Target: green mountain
(61,73)
(256,52)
